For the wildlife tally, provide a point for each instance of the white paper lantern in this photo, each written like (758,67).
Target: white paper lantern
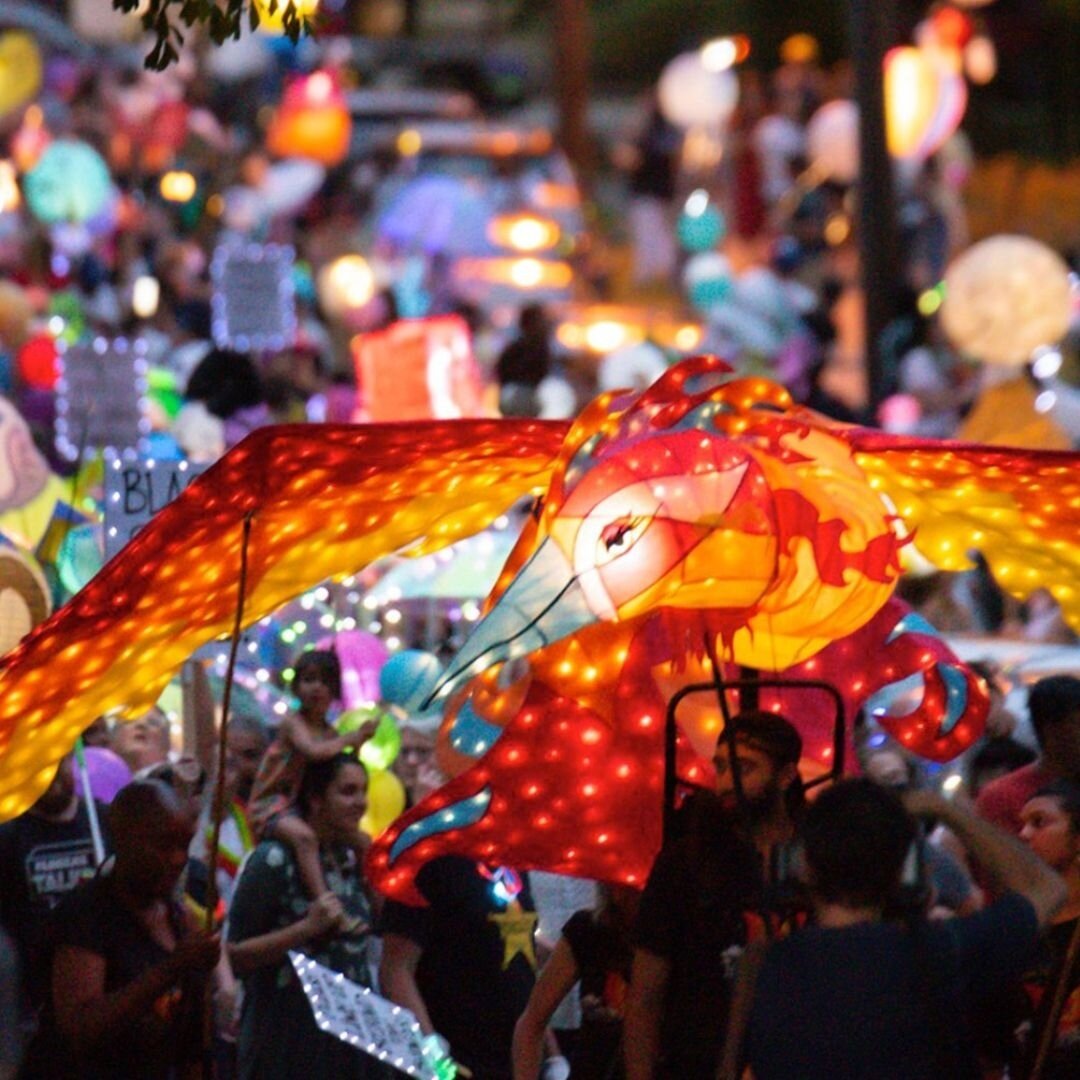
(691,95)
(1005,297)
(832,141)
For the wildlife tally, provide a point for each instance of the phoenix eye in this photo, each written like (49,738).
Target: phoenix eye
(616,535)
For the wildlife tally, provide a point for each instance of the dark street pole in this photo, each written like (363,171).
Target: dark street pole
(571,45)
(873,33)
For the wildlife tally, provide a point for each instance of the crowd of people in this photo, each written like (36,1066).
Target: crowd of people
(875,928)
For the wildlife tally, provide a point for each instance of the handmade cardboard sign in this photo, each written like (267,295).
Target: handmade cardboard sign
(136,488)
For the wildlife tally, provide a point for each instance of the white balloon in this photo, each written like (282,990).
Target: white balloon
(691,95)
(832,141)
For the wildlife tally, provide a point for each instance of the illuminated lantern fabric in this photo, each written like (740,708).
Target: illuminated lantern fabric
(553,774)
(1004,298)
(655,506)
(69,183)
(312,121)
(924,102)
(418,369)
(325,500)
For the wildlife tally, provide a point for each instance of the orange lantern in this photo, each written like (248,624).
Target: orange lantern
(312,121)
(924,102)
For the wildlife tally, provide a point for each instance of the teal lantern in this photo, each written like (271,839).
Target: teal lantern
(701,225)
(70,183)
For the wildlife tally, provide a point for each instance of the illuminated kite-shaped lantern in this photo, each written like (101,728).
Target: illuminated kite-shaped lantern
(706,515)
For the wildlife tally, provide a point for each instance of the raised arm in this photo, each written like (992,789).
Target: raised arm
(1009,862)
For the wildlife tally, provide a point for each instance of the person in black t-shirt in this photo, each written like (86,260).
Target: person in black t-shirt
(44,854)
(702,906)
(129,971)
(595,949)
(465,965)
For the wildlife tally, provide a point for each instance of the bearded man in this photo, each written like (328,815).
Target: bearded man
(704,903)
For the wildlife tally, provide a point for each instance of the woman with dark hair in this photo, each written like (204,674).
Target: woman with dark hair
(271,916)
(303,739)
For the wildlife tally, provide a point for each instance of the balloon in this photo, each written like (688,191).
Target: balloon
(707,278)
(106,771)
(385,801)
(70,182)
(20,70)
(691,95)
(362,656)
(407,677)
(832,141)
(36,362)
(382,748)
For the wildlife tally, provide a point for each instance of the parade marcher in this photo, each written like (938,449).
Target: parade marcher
(868,992)
(271,915)
(594,949)
(44,854)
(10,1033)
(465,964)
(1051,828)
(702,906)
(303,738)
(1054,706)
(246,744)
(130,971)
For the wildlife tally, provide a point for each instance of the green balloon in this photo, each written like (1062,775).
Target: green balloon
(382,748)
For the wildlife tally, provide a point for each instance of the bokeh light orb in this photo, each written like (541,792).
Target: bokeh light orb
(832,141)
(345,285)
(1005,297)
(691,95)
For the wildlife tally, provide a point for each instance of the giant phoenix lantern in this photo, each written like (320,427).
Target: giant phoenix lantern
(701,527)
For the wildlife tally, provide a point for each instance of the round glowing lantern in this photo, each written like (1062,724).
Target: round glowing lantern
(832,140)
(1006,297)
(693,95)
(924,102)
(69,183)
(20,70)
(312,121)
(345,285)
